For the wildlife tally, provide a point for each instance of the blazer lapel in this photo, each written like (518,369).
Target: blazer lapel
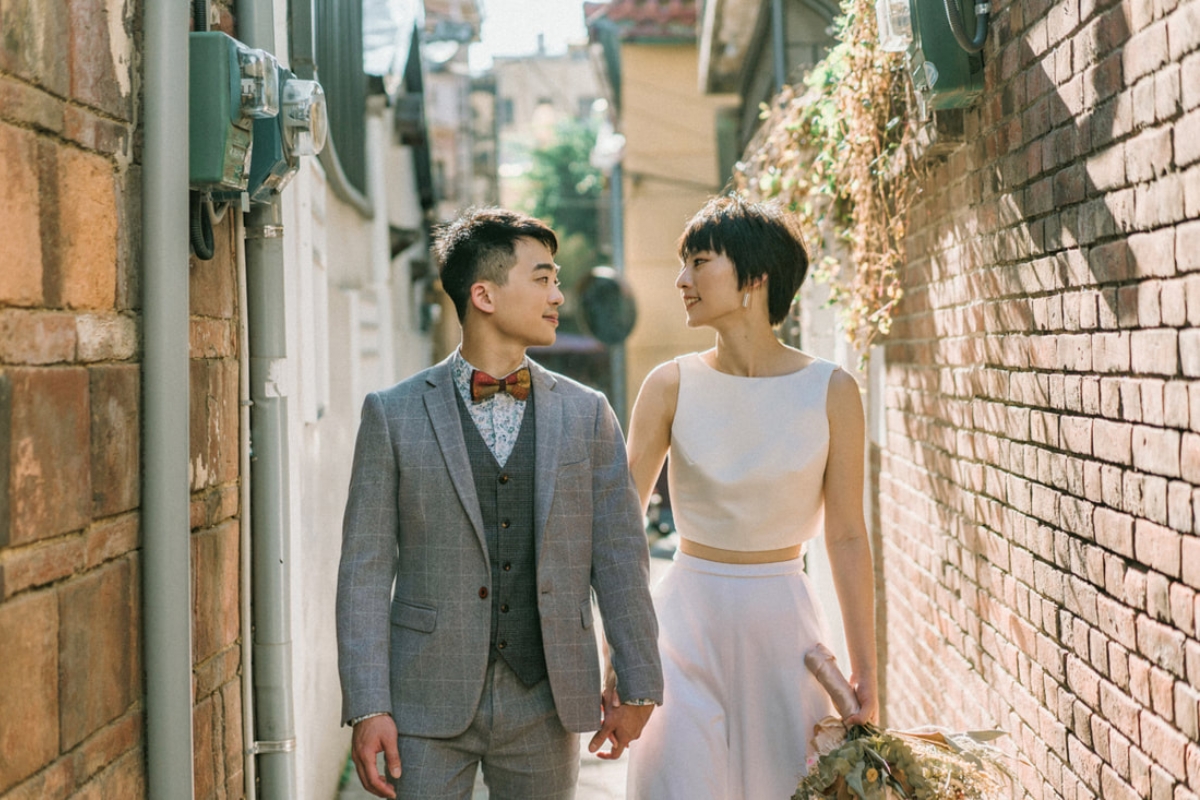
(447,427)
(548,414)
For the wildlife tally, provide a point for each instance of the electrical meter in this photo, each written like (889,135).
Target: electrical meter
(299,129)
(946,65)
(230,85)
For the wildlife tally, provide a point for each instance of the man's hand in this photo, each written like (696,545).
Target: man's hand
(622,724)
(371,737)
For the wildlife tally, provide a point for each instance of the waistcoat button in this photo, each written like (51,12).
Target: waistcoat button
(504,478)
(483,593)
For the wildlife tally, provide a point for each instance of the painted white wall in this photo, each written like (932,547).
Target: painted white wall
(352,328)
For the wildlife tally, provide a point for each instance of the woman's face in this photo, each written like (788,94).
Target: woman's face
(709,287)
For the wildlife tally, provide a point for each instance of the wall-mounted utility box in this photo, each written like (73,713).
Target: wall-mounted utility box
(298,130)
(944,74)
(229,86)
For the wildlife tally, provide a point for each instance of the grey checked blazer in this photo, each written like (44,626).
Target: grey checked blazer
(413,519)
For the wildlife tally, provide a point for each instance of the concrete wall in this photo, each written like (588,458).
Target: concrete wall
(670,171)
(356,330)
(1038,481)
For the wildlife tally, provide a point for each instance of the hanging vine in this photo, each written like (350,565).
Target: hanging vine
(834,151)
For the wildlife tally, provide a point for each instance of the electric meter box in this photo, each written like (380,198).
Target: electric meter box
(230,85)
(299,129)
(219,133)
(942,71)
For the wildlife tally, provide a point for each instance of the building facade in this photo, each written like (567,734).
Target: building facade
(354,309)
(669,166)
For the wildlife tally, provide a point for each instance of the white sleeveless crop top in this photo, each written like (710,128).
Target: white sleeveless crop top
(747,465)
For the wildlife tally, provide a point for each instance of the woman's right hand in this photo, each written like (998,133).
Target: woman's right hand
(610,695)
(868,702)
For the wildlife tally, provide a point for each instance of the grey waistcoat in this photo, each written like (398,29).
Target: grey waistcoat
(506,505)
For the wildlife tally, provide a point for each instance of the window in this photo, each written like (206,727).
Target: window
(504,111)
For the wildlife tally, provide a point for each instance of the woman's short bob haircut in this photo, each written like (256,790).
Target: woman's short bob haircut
(480,246)
(760,239)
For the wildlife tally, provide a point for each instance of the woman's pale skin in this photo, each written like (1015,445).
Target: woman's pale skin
(746,346)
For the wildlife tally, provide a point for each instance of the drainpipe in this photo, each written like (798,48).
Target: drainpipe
(249,764)
(166,524)
(778,44)
(617,352)
(275,732)
(274,740)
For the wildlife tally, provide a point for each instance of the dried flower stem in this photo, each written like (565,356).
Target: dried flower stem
(833,152)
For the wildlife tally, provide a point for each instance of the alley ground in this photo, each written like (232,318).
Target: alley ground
(598,779)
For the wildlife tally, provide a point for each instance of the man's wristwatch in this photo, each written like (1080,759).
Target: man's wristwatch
(640,701)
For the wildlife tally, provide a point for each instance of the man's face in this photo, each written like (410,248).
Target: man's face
(525,308)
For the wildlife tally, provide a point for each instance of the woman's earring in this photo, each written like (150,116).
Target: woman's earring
(746,300)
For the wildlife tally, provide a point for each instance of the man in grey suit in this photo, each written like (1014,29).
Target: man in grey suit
(494,496)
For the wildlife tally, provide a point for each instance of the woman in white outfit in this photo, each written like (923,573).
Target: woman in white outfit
(766,446)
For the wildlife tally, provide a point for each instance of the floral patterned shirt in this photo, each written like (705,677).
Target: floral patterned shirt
(497,418)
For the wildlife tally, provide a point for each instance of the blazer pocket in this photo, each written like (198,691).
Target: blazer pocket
(417,618)
(585,613)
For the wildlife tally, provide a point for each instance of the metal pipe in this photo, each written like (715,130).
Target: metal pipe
(166,524)
(274,742)
(270,520)
(249,762)
(617,352)
(778,44)
(336,178)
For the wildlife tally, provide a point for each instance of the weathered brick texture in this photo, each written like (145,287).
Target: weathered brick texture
(71,683)
(1040,478)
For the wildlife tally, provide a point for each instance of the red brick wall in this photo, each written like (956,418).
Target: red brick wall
(1042,459)
(71,703)
(216,517)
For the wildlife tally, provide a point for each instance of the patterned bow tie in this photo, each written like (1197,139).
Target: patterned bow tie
(484,386)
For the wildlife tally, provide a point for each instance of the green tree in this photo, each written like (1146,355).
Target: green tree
(566,192)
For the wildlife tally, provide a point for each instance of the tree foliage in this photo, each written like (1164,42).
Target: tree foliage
(566,192)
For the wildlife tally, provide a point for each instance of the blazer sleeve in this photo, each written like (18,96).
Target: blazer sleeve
(370,537)
(621,565)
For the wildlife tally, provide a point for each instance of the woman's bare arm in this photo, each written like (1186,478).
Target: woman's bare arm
(846,539)
(650,428)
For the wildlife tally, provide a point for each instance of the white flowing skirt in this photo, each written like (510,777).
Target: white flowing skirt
(739,704)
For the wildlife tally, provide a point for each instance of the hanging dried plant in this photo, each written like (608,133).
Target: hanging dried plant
(833,150)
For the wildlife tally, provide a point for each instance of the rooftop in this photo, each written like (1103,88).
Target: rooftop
(656,20)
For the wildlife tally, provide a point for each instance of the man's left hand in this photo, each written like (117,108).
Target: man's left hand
(622,724)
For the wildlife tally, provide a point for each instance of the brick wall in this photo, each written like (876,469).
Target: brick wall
(71,696)
(216,517)
(1040,473)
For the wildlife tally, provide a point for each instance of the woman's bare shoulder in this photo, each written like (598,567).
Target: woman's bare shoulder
(663,377)
(659,392)
(844,400)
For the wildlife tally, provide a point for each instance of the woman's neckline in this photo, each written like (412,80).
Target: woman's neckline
(792,374)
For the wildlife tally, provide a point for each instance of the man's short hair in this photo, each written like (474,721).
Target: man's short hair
(759,238)
(479,246)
